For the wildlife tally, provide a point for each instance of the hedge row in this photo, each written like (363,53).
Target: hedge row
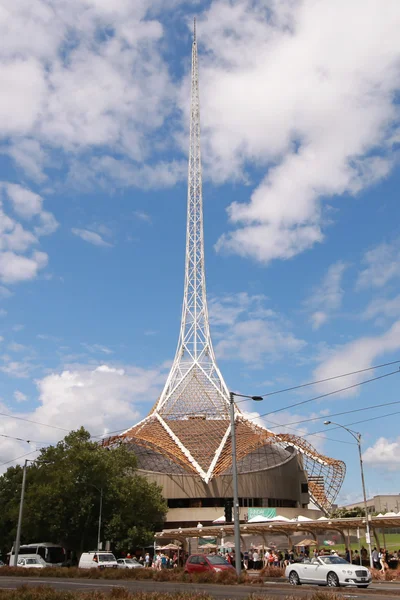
(46,593)
(178,575)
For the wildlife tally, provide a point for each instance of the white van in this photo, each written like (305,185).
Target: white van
(98,559)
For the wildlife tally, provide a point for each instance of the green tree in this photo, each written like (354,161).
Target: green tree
(348,513)
(63,497)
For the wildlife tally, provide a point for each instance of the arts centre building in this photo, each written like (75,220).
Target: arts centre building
(184,444)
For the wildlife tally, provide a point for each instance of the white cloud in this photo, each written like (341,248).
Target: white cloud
(328,296)
(20,396)
(386,307)
(382,265)
(249,330)
(93,75)
(15,268)
(359,354)
(103,398)
(226,309)
(384,454)
(3,312)
(97,348)
(16,369)
(305,91)
(26,203)
(18,261)
(91,237)
(142,216)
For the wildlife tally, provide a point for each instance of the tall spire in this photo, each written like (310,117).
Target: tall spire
(194,383)
(188,431)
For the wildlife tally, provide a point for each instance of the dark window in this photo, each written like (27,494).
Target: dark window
(304,488)
(194,560)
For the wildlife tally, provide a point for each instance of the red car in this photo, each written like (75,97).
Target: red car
(199,563)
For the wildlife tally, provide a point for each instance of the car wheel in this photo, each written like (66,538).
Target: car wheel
(332,580)
(294,578)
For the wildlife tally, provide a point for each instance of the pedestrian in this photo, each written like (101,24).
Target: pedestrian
(382,561)
(347,555)
(246,559)
(256,560)
(375,558)
(364,554)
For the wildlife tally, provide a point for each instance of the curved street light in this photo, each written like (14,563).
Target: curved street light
(357,436)
(236,521)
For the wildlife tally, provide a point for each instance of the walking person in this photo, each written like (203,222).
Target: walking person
(375,558)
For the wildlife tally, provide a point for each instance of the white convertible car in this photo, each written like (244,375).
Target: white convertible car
(328,570)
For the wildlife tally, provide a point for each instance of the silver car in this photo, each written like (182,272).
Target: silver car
(332,571)
(129,563)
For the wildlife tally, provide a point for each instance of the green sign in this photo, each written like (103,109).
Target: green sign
(207,540)
(261,512)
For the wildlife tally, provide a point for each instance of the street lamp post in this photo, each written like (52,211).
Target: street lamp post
(357,437)
(100,490)
(236,523)
(21,510)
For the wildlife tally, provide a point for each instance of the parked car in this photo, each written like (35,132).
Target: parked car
(199,563)
(31,562)
(332,571)
(129,563)
(97,560)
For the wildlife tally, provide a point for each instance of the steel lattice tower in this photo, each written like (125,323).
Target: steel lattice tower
(188,430)
(194,359)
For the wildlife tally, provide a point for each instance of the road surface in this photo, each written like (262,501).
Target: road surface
(376,591)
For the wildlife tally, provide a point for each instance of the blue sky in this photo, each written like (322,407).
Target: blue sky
(300,146)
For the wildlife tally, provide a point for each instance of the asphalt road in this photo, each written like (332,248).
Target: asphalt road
(376,591)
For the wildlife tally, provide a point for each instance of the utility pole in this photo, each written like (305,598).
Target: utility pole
(21,510)
(101,509)
(367,531)
(236,522)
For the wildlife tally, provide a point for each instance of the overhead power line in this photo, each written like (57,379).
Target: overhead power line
(302,385)
(33,422)
(346,412)
(11,437)
(356,422)
(18,457)
(344,389)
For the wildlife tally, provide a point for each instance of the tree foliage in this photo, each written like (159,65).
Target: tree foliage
(348,513)
(62,500)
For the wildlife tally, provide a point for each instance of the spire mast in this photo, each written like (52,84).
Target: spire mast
(195,349)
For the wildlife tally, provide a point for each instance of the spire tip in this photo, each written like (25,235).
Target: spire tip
(194,30)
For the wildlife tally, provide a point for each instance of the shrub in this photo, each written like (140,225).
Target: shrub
(272,571)
(389,575)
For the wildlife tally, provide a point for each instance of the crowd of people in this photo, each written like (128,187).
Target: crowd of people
(257,558)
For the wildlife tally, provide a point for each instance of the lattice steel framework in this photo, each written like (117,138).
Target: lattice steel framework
(188,429)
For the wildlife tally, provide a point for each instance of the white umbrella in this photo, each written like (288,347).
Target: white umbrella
(323,519)
(220,519)
(280,518)
(259,519)
(301,518)
(390,514)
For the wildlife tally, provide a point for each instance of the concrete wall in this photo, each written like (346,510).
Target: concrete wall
(281,482)
(379,504)
(205,515)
